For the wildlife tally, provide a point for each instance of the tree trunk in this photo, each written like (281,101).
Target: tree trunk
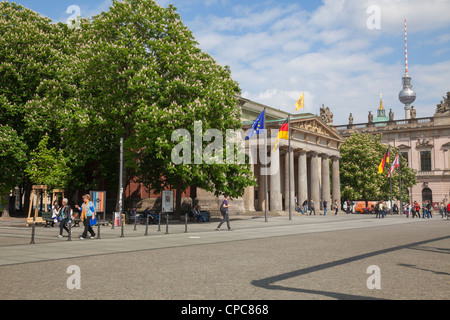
(179,191)
(5,210)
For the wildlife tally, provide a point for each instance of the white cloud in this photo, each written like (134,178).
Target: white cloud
(279,51)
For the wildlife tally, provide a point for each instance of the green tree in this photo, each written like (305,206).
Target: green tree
(33,55)
(142,76)
(361,155)
(12,162)
(47,166)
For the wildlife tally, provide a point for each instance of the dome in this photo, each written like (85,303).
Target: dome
(407,96)
(381,114)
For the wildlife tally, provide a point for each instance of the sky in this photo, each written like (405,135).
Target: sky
(341,53)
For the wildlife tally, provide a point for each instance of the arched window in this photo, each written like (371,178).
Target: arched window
(427,194)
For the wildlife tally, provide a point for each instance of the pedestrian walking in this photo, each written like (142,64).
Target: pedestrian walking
(448,209)
(325,203)
(312,207)
(415,209)
(336,207)
(378,207)
(87,214)
(55,210)
(224,212)
(441,209)
(64,216)
(305,206)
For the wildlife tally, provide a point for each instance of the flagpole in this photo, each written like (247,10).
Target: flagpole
(289,155)
(390,180)
(400,183)
(265,175)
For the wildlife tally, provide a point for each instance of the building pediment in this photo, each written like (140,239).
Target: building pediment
(403,147)
(314,125)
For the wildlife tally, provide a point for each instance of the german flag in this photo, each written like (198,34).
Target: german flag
(283,133)
(383,162)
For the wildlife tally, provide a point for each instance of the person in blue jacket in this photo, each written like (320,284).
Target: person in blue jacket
(87,214)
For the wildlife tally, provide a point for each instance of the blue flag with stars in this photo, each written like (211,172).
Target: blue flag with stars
(257,125)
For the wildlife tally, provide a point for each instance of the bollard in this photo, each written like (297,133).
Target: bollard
(185,223)
(159,221)
(33,230)
(113,218)
(122,223)
(167,223)
(69,238)
(146,226)
(98,229)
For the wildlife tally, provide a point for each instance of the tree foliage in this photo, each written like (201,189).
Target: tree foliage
(361,155)
(135,72)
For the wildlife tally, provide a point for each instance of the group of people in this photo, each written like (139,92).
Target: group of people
(303,209)
(381,209)
(427,209)
(64,214)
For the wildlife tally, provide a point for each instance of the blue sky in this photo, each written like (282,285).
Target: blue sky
(279,49)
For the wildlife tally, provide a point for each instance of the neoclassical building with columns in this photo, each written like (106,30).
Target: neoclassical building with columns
(314,164)
(314,167)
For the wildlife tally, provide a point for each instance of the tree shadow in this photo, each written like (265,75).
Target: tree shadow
(268,283)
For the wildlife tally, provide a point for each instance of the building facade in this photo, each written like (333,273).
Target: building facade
(423,142)
(314,168)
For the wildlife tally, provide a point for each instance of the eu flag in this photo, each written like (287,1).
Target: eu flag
(257,125)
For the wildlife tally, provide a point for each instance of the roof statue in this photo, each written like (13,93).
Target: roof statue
(444,107)
(326,115)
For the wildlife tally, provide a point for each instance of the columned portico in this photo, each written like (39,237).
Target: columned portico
(313,144)
(307,166)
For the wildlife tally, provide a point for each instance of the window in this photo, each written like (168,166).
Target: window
(405,156)
(425,160)
(427,195)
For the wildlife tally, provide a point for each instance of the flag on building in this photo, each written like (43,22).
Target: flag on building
(394,165)
(383,162)
(300,104)
(257,125)
(283,133)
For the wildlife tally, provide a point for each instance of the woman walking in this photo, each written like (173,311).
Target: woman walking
(65,215)
(87,214)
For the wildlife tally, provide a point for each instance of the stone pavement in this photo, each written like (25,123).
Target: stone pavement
(16,248)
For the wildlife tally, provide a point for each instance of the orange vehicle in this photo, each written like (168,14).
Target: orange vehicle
(361,206)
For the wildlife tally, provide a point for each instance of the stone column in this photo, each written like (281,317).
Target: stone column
(302,177)
(249,194)
(326,179)
(261,189)
(315,187)
(286,181)
(336,181)
(275,201)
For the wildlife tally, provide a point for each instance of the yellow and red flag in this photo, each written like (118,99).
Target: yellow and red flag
(300,104)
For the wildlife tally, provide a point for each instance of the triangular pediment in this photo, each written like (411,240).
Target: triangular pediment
(315,126)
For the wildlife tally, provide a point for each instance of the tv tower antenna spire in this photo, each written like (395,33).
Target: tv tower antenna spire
(406,50)
(407,95)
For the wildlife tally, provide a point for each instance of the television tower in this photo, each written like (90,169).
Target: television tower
(407,95)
